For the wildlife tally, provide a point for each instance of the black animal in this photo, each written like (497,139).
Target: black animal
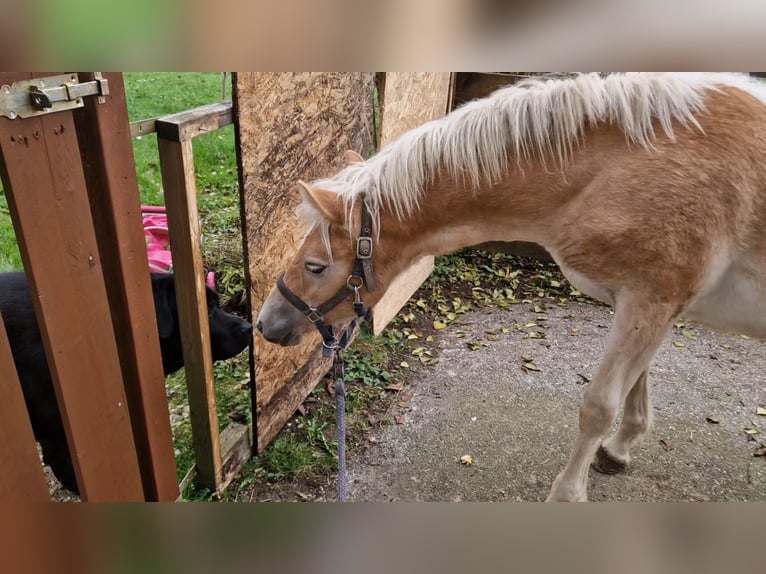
(228,336)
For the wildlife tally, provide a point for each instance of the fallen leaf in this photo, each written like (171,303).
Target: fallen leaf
(761,411)
(466,459)
(430,339)
(678,344)
(399,419)
(531,367)
(404,365)
(712,421)
(439,325)
(666,445)
(726,346)
(395,387)
(688,334)
(760,451)
(527,357)
(474,346)
(752,431)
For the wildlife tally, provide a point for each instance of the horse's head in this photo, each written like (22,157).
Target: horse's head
(323,275)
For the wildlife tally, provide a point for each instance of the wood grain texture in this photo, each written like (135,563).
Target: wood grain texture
(410,99)
(290,126)
(48,201)
(110,172)
(178,180)
(18,450)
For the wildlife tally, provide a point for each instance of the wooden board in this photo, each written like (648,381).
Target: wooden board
(18,451)
(410,99)
(290,126)
(106,150)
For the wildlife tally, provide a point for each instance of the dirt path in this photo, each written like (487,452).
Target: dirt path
(518,424)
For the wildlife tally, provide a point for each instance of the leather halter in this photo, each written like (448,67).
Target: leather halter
(361,275)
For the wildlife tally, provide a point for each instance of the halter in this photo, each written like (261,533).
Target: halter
(361,275)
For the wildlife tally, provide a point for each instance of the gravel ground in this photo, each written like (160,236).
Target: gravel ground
(519,425)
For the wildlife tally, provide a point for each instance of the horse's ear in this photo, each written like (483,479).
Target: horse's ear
(351,157)
(329,204)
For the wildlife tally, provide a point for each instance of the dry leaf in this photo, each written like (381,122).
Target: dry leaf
(712,421)
(760,451)
(439,325)
(678,344)
(531,367)
(761,411)
(752,431)
(466,459)
(395,387)
(404,365)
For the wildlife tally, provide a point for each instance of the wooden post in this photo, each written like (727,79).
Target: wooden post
(219,456)
(22,478)
(178,181)
(48,201)
(107,154)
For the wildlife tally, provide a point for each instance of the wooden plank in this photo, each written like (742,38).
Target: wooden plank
(48,201)
(178,181)
(237,448)
(107,154)
(143,127)
(410,99)
(191,123)
(22,478)
(290,126)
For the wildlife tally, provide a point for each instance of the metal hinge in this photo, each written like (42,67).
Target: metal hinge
(47,95)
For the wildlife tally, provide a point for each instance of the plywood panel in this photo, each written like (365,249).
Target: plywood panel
(410,99)
(290,126)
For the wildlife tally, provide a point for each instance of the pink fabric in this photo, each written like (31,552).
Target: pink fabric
(157,238)
(158,241)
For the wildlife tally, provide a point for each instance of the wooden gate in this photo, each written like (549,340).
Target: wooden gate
(72,192)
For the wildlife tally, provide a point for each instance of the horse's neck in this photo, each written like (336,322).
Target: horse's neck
(454,215)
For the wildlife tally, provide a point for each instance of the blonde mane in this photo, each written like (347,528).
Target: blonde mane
(534,119)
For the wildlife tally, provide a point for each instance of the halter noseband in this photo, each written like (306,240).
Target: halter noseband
(361,275)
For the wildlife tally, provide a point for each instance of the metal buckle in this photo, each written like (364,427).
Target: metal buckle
(364,247)
(313,316)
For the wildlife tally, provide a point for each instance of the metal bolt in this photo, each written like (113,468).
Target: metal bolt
(12,115)
(41,83)
(6,89)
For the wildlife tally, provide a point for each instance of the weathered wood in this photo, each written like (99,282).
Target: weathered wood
(191,123)
(290,126)
(237,448)
(107,155)
(48,201)
(143,127)
(22,478)
(410,99)
(178,180)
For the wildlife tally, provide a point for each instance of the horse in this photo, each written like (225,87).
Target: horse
(647,189)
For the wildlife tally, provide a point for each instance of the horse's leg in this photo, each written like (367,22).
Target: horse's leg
(638,329)
(614,454)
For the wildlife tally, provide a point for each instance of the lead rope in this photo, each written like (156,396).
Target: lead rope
(340,417)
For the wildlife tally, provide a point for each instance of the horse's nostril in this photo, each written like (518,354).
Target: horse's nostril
(259,326)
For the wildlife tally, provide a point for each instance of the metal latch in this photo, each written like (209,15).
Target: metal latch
(30,98)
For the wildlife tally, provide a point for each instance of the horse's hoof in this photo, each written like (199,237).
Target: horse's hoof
(605,463)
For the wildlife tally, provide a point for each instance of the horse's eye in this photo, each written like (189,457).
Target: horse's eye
(315,268)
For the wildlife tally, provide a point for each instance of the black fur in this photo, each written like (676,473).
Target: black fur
(228,335)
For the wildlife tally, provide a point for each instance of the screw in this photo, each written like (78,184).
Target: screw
(6,89)
(41,83)
(12,115)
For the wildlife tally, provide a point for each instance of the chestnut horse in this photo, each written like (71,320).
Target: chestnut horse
(648,189)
